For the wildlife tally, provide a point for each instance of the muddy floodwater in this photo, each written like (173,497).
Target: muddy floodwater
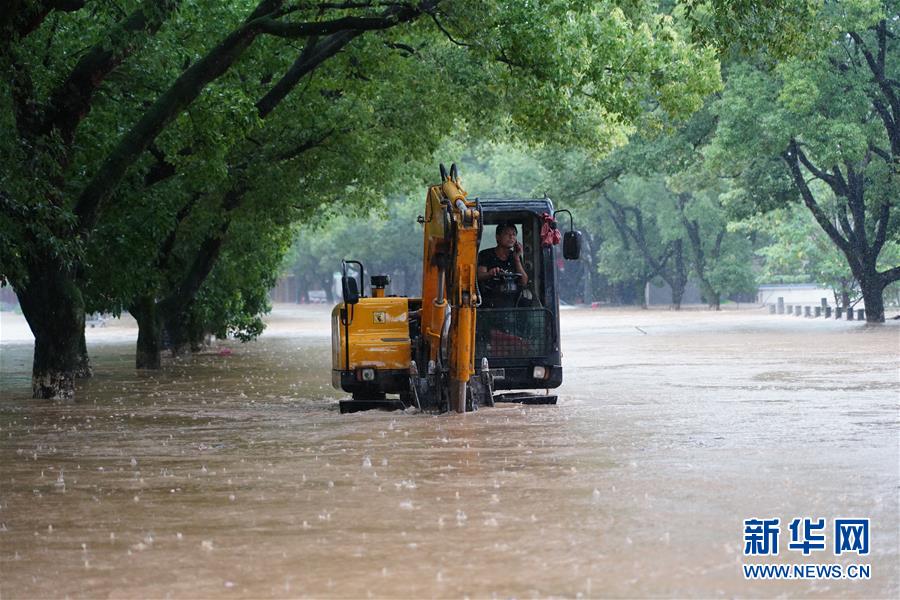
(232,474)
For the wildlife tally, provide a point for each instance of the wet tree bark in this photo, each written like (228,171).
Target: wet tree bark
(713,296)
(174,319)
(149,342)
(845,298)
(54,308)
(850,234)
(326,285)
(634,232)
(678,277)
(873,296)
(860,243)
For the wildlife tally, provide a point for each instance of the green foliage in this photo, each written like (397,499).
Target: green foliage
(821,127)
(782,27)
(213,179)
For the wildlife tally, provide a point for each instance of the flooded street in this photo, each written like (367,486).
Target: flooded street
(231,473)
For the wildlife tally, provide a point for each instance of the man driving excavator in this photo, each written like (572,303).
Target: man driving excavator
(500,270)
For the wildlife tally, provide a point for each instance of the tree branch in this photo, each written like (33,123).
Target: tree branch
(71,101)
(621,227)
(168,246)
(205,258)
(890,124)
(857,207)
(446,33)
(304,147)
(188,86)
(876,66)
(845,223)
(24,104)
(791,160)
(832,180)
(17,23)
(602,181)
(891,275)
(881,228)
(881,152)
(180,94)
(639,237)
(316,52)
(392,17)
(313,55)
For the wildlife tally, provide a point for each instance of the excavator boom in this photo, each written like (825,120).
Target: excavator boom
(449,289)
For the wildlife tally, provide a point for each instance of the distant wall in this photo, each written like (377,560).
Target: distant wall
(799,293)
(659,293)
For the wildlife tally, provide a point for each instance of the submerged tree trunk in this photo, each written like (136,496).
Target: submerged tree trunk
(873,296)
(845,298)
(871,285)
(678,279)
(850,235)
(713,296)
(198,335)
(176,326)
(149,342)
(54,308)
(677,295)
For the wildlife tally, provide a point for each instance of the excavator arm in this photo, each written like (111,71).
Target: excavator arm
(450,296)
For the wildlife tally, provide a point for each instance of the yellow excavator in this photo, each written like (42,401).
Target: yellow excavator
(432,351)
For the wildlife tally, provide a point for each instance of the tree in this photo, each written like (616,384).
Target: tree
(51,222)
(794,249)
(829,115)
(95,129)
(668,202)
(641,215)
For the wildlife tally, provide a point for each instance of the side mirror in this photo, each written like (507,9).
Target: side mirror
(349,285)
(571,239)
(572,245)
(349,290)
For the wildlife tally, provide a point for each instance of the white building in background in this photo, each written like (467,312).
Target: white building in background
(796,293)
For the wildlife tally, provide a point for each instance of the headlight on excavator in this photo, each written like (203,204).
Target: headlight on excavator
(365,374)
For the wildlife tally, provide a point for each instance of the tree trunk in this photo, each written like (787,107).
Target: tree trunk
(54,308)
(872,289)
(712,297)
(83,370)
(198,336)
(326,285)
(845,298)
(149,342)
(677,295)
(679,276)
(176,327)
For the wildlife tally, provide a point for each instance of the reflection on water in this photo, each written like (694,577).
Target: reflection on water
(235,473)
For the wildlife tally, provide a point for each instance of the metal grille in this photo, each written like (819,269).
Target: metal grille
(512,332)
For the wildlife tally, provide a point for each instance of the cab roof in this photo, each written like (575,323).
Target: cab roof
(511,205)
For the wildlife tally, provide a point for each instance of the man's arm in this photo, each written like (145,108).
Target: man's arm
(517,262)
(484,273)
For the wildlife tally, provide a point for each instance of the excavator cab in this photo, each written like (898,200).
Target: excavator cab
(517,328)
(453,347)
